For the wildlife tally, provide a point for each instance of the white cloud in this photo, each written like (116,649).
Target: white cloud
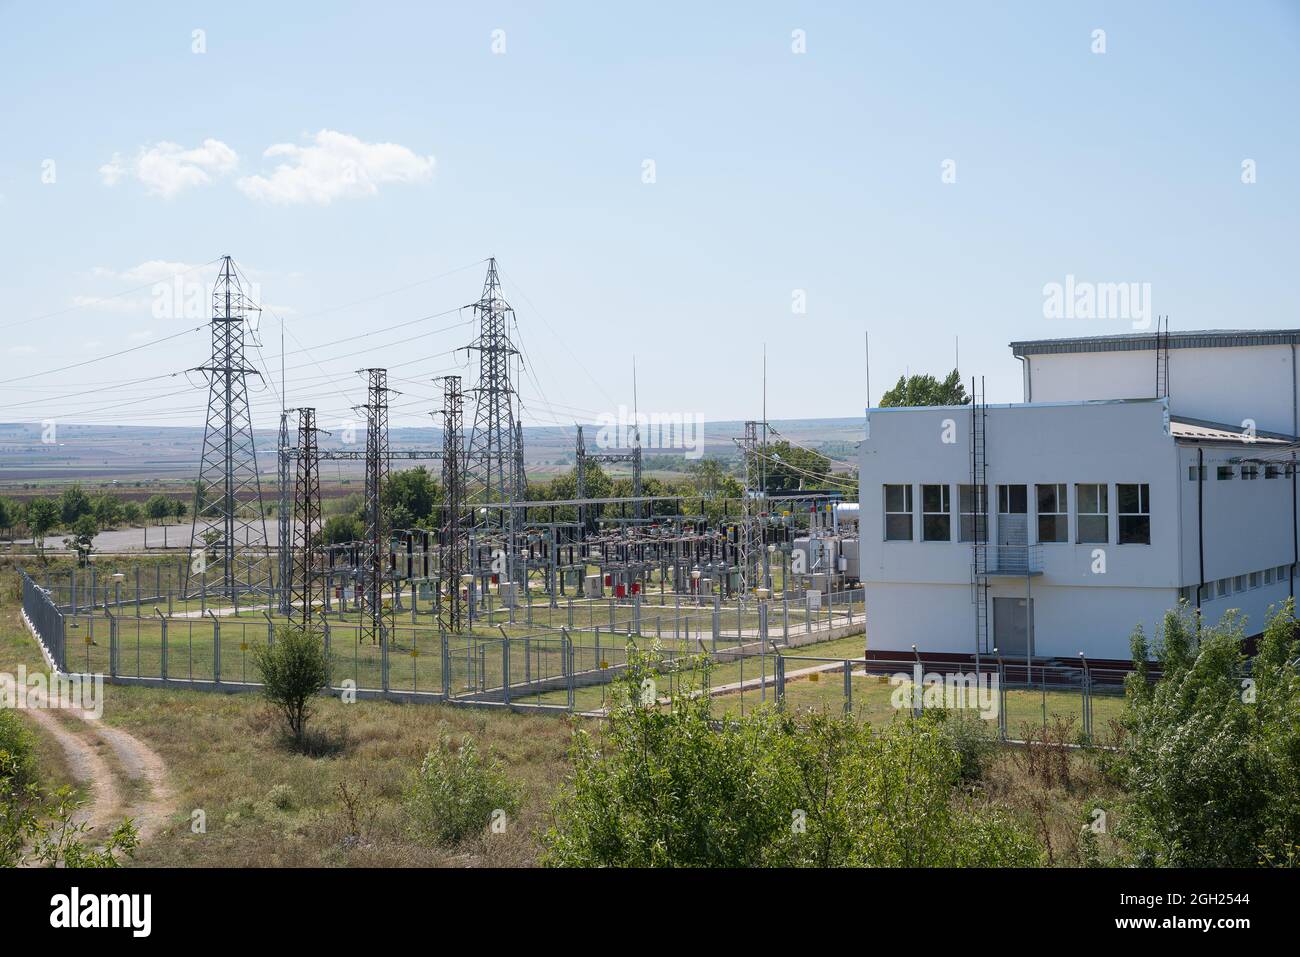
(167,168)
(153,270)
(334,166)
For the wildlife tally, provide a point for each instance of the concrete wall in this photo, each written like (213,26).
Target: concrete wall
(1224,385)
(1089,596)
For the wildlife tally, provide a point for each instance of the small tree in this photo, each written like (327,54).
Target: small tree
(42,516)
(294,670)
(82,539)
(132,512)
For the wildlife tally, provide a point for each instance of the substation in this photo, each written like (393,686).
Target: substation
(506,601)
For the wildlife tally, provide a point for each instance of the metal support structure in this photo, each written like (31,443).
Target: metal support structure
(374,570)
(228,538)
(284,518)
(452,543)
(490,459)
(308,581)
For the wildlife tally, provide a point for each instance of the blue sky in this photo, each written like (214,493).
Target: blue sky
(774,171)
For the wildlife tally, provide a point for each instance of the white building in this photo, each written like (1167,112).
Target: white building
(1106,503)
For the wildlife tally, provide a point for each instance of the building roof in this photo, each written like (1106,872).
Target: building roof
(1146,341)
(1184,429)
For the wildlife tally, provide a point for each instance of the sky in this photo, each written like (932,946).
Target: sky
(679,185)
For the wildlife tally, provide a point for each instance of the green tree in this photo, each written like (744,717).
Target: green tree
(341,528)
(132,513)
(790,468)
(926,390)
(1212,765)
(42,516)
(82,540)
(6,514)
(179,509)
(294,669)
(157,507)
(107,510)
(73,504)
(414,490)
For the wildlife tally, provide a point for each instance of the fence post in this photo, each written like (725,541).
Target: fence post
(216,648)
(1002,697)
(566,654)
(848,686)
(807,612)
(780,679)
(1085,688)
(918,690)
(785,615)
(505,670)
(446,663)
(112,643)
(383,658)
(163,620)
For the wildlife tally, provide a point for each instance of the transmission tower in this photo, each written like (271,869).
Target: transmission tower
(746,544)
(453,503)
(284,525)
(376,550)
(490,461)
(228,534)
(309,582)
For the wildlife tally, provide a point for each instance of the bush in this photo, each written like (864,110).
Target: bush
(456,792)
(18,797)
(1213,762)
(667,786)
(294,669)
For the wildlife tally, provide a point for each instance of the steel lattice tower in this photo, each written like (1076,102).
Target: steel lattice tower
(284,527)
(308,582)
(453,503)
(490,460)
(228,524)
(746,544)
(372,597)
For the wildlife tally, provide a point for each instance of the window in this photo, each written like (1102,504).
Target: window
(1134,514)
(1254,579)
(1053,513)
(1271,471)
(1192,471)
(1224,473)
(1188,594)
(936,513)
(1239,583)
(1094,513)
(1249,472)
(1222,587)
(1268,576)
(972,501)
(1283,572)
(898,513)
(1013,499)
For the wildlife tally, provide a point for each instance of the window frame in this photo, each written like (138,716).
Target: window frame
(1144,498)
(910,512)
(944,515)
(979,495)
(1061,491)
(1103,513)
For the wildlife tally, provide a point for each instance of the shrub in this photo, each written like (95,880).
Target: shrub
(294,669)
(668,786)
(455,793)
(280,797)
(1213,764)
